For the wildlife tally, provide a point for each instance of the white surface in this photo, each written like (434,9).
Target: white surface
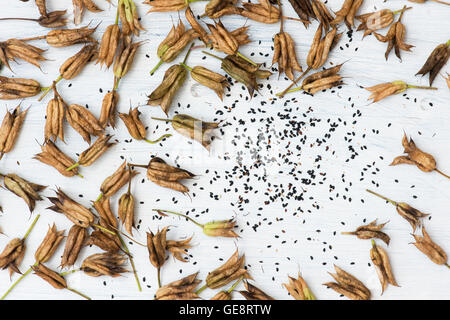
(269,259)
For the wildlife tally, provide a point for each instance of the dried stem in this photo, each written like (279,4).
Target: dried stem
(24,19)
(17,282)
(441,2)
(79,293)
(131,261)
(159,277)
(34,38)
(48,89)
(212,55)
(439,171)
(288,89)
(31,227)
(181,215)
(159,139)
(382,197)
(421,87)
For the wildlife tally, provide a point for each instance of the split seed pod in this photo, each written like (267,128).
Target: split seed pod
(210,79)
(108,112)
(437,59)
(12,255)
(328,78)
(125,58)
(434,252)
(166,5)
(68,37)
(50,276)
(175,42)
(348,12)
(104,241)
(304,10)
(79,6)
(374,21)
(298,289)
(218,8)
(348,285)
(54,122)
(178,248)
(231,270)
(107,218)
(126,208)
(74,243)
(263,12)
(385,90)
(24,189)
(55,158)
(109,45)
(164,175)
(371,231)
(13,49)
(183,289)
(49,244)
(104,264)
(225,41)
(254,293)
(321,47)
(157,245)
(73,66)
(322,14)
(50,19)
(75,212)
(165,92)
(134,125)
(18,88)
(284,54)
(10,129)
(382,265)
(84,122)
(129,18)
(117,180)
(91,154)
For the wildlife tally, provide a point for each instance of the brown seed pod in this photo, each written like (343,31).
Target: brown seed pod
(322,14)
(126,209)
(68,37)
(284,54)
(109,45)
(225,41)
(203,35)
(79,6)
(12,255)
(385,90)
(104,264)
(50,276)
(434,252)
(437,59)
(49,244)
(179,248)
(107,218)
(104,241)
(164,175)
(378,20)
(166,5)
(129,18)
(75,64)
(54,19)
(55,158)
(263,12)
(75,212)
(84,122)
(222,295)
(254,293)
(134,125)
(74,243)
(157,245)
(348,12)
(175,42)
(117,180)
(18,88)
(210,79)
(218,8)
(10,129)
(54,122)
(304,10)
(371,231)
(91,154)
(183,289)
(322,80)
(108,112)
(348,285)
(24,189)
(298,289)
(382,265)
(13,49)
(125,58)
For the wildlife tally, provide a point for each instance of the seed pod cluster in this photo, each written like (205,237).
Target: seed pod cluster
(51,277)
(437,59)
(49,244)
(434,252)
(10,129)
(371,231)
(13,49)
(84,122)
(75,64)
(18,88)
(104,264)
(347,13)
(74,243)
(298,288)
(382,265)
(129,18)
(348,285)
(254,293)
(12,255)
(80,5)
(54,122)
(226,41)
(24,189)
(52,156)
(183,289)
(231,270)
(68,37)
(109,45)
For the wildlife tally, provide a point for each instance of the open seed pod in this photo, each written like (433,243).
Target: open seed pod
(348,285)
(18,88)
(80,5)
(24,189)
(10,129)
(68,37)
(13,49)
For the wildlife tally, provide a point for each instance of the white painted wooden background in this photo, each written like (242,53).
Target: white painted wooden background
(427,26)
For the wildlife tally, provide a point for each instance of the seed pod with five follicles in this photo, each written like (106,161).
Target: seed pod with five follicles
(117,180)
(183,289)
(54,122)
(371,231)
(49,244)
(210,79)
(73,66)
(382,265)
(13,49)
(226,41)
(298,288)
(434,252)
(84,122)
(51,277)
(108,112)
(95,151)
(347,13)
(378,20)
(437,59)
(109,45)
(28,191)
(126,208)
(263,12)
(348,285)
(10,129)
(125,58)
(104,264)
(68,37)
(55,158)
(74,243)
(104,241)
(129,18)
(18,88)
(12,255)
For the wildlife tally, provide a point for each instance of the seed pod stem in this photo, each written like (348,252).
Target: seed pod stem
(104,229)
(181,215)
(31,227)
(156,67)
(186,67)
(159,276)
(246,59)
(48,89)
(17,282)
(213,55)
(201,289)
(382,197)
(421,87)
(440,172)
(159,139)
(69,272)
(401,10)
(73,166)
(34,38)
(235,285)
(79,293)
(125,248)
(288,89)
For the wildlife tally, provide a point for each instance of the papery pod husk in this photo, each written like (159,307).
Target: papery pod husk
(371,231)
(385,90)
(55,158)
(374,21)
(347,13)
(223,228)
(84,122)
(49,244)
(42,6)
(125,58)
(424,161)
(322,80)
(210,79)
(54,122)
(263,12)
(126,211)
(183,289)
(50,276)
(74,211)
(74,243)
(104,264)
(157,245)
(98,148)
(195,129)
(298,288)
(324,74)
(18,88)
(75,64)
(108,112)
(117,180)
(447,79)
(348,285)
(203,35)
(285,56)
(109,45)
(10,129)
(54,19)
(304,10)
(254,293)
(382,266)
(13,49)
(166,5)
(107,218)
(106,242)
(163,95)
(322,14)
(434,252)
(437,59)
(79,6)
(12,255)
(321,47)
(231,270)
(410,214)
(164,175)
(129,18)
(134,125)
(178,248)
(218,8)
(68,37)
(226,41)
(175,42)
(24,189)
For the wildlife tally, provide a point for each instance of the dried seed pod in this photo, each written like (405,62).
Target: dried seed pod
(129,18)
(50,276)
(75,212)
(12,255)
(203,35)
(263,12)
(68,37)
(183,289)
(254,293)
(447,79)
(382,265)
(55,158)
(210,79)
(437,59)
(24,189)
(125,58)
(223,228)
(165,92)
(371,231)
(222,295)
(178,248)
(88,156)
(54,19)
(10,129)
(385,90)
(322,14)
(109,45)
(231,270)
(104,241)
(284,54)
(79,6)
(348,12)
(84,122)
(108,112)
(126,209)
(117,180)
(157,245)
(378,20)
(54,122)
(395,38)
(134,125)
(74,243)
(13,49)
(73,66)
(104,264)
(304,10)
(107,218)
(218,8)
(18,88)
(166,5)
(298,289)
(434,252)
(321,47)
(348,285)
(164,175)
(49,244)
(328,78)
(225,41)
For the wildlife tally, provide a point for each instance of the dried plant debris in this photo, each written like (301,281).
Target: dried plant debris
(18,88)
(117,180)
(55,158)
(104,241)
(226,41)
(73,66)
(183,289)
(384,90)
(213,80)
(54,121)
(179,248)
(109,45)
(68,37)
(125,58)
(298,289)
(382,265)
(304,10)
(374,21)
(13,49)
(10,129)
(437,59)
(263,12)
(95,151)
(49,244)
(129,18)
(126,209)
(12,255)
(370,231)
(83,122)
(407,212)
(104,264)
(348,285)
(167,5)
(80,5)
(434,252)
(24,189)
(75,241)
(218,8)
(253,293)
(108,112)
(347,13)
